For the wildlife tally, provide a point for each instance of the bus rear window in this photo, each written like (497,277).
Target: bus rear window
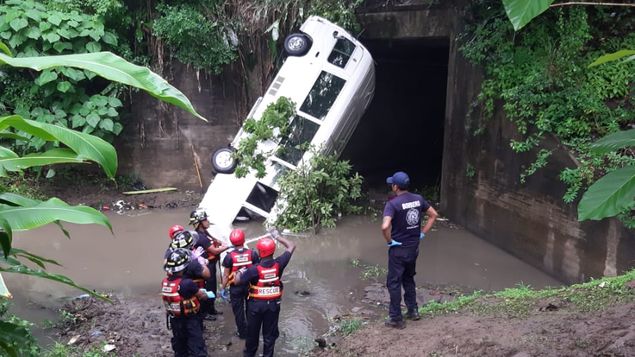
(322,95)
(341,52)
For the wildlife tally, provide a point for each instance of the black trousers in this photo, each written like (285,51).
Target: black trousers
(238,297)
(207,306)
(262,313)
(187,337)
(401,271)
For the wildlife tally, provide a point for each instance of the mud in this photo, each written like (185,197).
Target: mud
(546,332)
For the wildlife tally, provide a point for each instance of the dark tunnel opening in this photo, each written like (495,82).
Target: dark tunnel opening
(402,128)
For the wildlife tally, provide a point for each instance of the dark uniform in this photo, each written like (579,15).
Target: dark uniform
(263,303)
(182,306)
(234,260)
(406,212)
(204,241)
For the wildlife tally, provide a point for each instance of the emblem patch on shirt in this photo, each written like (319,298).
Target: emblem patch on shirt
(412,217)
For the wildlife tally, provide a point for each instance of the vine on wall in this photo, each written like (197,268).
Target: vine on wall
(541,78)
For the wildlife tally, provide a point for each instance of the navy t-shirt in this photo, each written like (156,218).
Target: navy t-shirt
(187,288)
(202,241)
(251,274)
(406,211)
(228,263)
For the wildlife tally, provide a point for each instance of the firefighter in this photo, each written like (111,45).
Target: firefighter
(212,248)
(181,297)
(265,292)
(239,257)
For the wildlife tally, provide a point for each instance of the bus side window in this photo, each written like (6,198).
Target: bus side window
(322,95)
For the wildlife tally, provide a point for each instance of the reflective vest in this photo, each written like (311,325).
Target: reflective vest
(268,286)
(241,258)
(174,303)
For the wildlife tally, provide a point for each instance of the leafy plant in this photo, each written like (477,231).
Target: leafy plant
(22,213)
(540,77)
(252,151)
(62,96)
(318,192)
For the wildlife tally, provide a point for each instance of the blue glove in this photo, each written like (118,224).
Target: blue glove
(393,243)
(224,294)
(210,294)
(422,235)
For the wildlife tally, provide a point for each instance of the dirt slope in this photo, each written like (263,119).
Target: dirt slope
(547,331)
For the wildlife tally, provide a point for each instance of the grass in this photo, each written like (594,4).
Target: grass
(349,326)
(522,300)
(62,350)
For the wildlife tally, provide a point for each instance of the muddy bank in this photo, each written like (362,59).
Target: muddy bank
(552,328)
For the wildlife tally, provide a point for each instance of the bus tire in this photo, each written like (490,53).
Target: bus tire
(297,44)
(223,161)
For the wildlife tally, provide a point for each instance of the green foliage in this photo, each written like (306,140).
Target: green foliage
(198,35)
(521,300)
(541,78)
(348,326)
(339,12)
(273,125)
(15,334)
(61,96)
(520,12)
(318,193)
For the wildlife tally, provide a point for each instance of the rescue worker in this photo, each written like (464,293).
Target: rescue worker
(212,248)
(265,292)
(401,228)
(182,297)
(174,230)
(196,269)
(240,257)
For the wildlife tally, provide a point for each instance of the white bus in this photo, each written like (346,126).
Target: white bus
(331,78)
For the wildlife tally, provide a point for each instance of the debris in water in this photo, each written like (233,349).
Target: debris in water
(73,339)
(109,347)
(302,293)
(602,284)
(549,307)
(154,190)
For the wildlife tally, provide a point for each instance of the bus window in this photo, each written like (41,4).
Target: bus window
(341,52)
(293,146)
(322,95)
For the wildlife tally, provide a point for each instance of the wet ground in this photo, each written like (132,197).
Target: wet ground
(331,275)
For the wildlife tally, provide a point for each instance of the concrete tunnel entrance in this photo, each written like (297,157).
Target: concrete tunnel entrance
(403,127)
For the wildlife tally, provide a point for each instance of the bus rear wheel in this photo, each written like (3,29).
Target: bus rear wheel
(297,44)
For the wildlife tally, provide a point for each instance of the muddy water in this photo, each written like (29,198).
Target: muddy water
(320,281)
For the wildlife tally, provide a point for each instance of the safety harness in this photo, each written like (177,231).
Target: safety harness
(174,303)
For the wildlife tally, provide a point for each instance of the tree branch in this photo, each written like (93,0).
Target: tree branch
(591,3)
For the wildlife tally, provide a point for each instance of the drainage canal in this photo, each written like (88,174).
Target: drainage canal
(403,126)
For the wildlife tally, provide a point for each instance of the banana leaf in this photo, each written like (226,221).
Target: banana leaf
(608,196)
(520,12)
(50,211)
(87,147)
(615,141)
(610,57)
(53,156)
(112,67)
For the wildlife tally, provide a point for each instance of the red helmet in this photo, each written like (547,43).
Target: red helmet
(266,247)
(237,237)
(174,230)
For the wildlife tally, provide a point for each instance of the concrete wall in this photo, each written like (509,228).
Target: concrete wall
(530,220)
(160,142)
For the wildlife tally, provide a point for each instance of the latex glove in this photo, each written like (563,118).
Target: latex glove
(393,243)
(422,235)
(202,261)
(273,232)
(210,294)
(224,294)
(198,252)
